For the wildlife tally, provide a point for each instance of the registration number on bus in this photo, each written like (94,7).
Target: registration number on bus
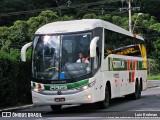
(59,99)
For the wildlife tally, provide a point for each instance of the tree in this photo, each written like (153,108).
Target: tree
(117,20)
(106,17)
(65,18)
(35,22)
(155,26)
(90,16)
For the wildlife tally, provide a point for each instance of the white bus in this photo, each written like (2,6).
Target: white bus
(116,63)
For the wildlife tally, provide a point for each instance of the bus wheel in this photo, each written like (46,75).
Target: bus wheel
(140,89)
(137,92)
(56,107)
(105,103)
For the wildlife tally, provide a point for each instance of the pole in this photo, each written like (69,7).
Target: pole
(130,15)
(60,12)
(136,21)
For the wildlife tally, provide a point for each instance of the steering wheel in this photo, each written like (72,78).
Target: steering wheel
(51,68)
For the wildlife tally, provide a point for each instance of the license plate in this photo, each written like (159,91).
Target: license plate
(59,99)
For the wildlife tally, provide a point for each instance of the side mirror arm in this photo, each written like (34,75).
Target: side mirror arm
(23,51)
(93,46)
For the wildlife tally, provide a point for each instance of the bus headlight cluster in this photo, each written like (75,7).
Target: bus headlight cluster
(86,86)
(36,89)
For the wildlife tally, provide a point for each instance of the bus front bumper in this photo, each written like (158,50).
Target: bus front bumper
(86,96)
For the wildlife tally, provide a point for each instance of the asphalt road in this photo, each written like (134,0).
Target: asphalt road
(150,101)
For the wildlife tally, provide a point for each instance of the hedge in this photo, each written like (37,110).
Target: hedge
(14,80)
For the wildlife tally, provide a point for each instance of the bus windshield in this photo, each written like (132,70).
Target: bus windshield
(61,56)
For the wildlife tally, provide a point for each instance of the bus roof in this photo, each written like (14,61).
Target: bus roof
(81,25)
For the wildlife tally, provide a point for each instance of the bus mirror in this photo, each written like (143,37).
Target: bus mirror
(23,51)
(93,46)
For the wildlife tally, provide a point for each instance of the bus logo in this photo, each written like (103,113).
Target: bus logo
(59,92)
(58,87)
(118,64)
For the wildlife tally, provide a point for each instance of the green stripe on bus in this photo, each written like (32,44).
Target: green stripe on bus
(109,60)
(69,85)
(137,65)
(77,84)
(46,87)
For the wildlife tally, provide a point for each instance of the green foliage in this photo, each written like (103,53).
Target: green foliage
(18,31)
(14,78)
(153,77)
(106,17)
(156,27)
(153,66)
(157,49)
(90,16)
(35,22)
(15,75)
(117,20)
(147,6)
(23,31)
(65,18)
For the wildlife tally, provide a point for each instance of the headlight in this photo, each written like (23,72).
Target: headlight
(86,86)
(37,90)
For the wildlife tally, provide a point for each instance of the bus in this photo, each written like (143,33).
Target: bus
(116,63)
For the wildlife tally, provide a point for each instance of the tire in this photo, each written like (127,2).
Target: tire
(137,94)
(56,107)
(140,89)
(105,103)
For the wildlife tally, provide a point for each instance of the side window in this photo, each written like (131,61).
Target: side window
(112,42)
(120,44)
(108,43)
(125,45)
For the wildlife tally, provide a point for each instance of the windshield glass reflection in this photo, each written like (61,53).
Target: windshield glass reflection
(61,56)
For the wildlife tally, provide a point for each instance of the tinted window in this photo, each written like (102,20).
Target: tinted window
(116,43)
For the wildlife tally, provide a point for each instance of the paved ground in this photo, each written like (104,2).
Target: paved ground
(153,83)
(150,103)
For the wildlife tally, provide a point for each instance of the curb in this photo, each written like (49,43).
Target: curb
(153,86)
(18,108)
(153,83)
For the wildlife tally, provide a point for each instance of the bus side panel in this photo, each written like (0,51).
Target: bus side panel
(122,72)
(127,86)
(108,76)
(98,86)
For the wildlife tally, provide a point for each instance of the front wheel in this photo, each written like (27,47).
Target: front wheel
(56,107)
(105,103)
